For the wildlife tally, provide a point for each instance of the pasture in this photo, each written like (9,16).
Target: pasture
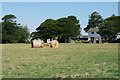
(68,61)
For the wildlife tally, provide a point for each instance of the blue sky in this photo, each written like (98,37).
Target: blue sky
(33,14)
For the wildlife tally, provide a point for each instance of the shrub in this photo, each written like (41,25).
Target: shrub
(78,40)
(14,41)
(85,41)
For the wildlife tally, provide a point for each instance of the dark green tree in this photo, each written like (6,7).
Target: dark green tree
(9,29)
(94,21)
(67,27)
(46,30)
(77,28)
(13,32)
(110,27)
(24,33)
(9,18)
(63,28)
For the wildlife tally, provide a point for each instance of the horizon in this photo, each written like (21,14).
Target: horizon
(33,14)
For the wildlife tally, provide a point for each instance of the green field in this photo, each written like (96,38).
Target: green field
(68,61)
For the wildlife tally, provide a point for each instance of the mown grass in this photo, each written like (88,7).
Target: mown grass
(67,61)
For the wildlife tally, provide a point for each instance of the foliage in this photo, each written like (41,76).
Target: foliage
(63,28)
(85,41)
(9,18)
(47,29)
(13,32)
(24,33)
(94,21)
(68,27)
(110,27)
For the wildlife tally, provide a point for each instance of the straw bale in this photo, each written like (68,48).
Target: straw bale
(36,44)
(54,44)
(46,45)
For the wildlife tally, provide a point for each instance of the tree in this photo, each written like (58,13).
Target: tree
(9,18)
(94,21)
(68,27)
(47,30)
(77,28)
(9,29)
(63,28)
(13,32)
(24,33)
(110,27)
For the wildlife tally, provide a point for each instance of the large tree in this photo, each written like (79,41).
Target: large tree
(24,33)
(94,21)
(13,32)
(68,27)
(110,27)
(63,28)
(46,30)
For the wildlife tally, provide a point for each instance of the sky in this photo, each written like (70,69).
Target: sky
(59,0)
(33,14)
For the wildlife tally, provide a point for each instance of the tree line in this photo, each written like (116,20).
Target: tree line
(65,28)
(62,28)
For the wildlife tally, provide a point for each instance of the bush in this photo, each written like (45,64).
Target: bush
(27,42)
(115,41)
(14,41)
(85,41)
(76,41)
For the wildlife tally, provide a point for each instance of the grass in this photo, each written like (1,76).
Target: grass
(67,61)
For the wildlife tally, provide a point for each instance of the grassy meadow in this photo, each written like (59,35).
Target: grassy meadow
(68,61)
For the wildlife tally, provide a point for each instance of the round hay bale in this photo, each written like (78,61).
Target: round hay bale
(36,44)
(54,44)
(46,45)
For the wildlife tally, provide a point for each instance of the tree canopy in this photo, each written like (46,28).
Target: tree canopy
(13,32)
(47,29)
(63,28)
(110,27)
(94,21)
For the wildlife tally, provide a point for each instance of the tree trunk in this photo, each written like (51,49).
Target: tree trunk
(110,39)
(45,40)
(50,39)
(67,39)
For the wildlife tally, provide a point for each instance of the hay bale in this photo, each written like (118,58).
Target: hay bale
(46,45)
(72,41)
(36,44)
(54,44)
